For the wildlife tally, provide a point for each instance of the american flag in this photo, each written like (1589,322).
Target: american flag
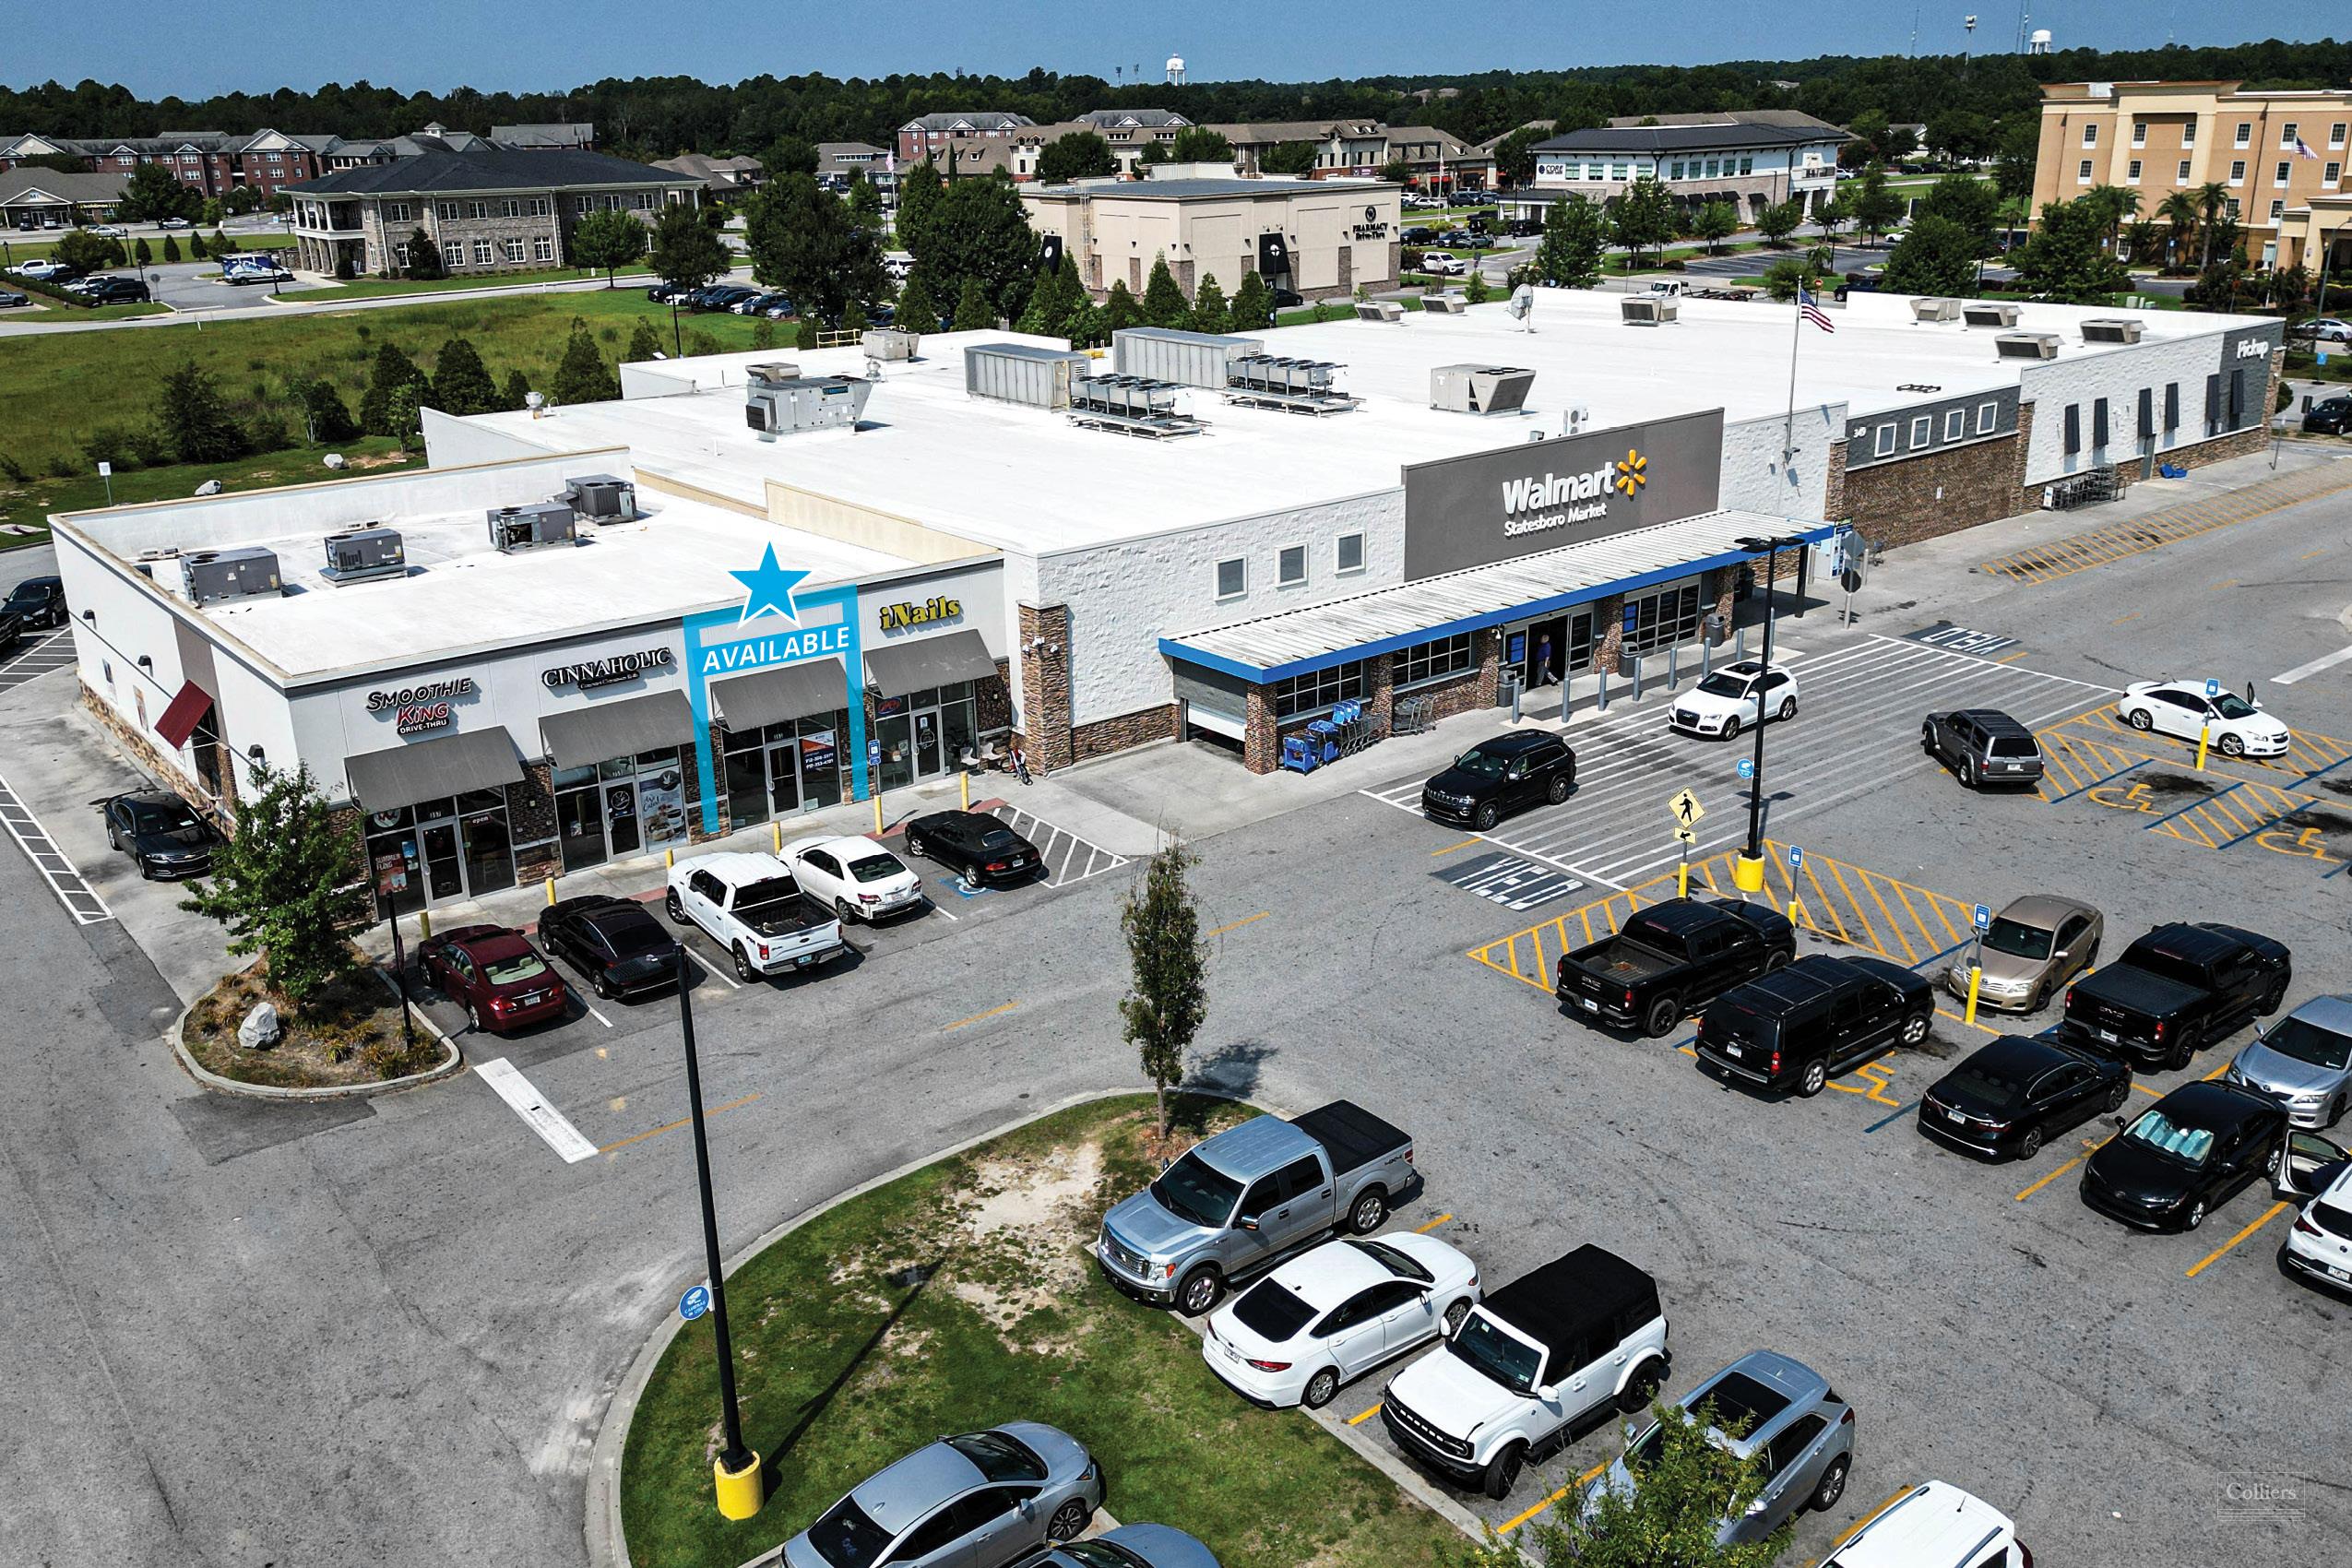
(2303,148)
(1810,308)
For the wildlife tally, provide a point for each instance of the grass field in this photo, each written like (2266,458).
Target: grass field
(960,1297)
(28,504)
(378,287)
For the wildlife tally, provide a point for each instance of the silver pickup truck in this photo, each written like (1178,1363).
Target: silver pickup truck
(1243,1200)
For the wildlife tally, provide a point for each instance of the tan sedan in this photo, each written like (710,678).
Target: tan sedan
(2034,947)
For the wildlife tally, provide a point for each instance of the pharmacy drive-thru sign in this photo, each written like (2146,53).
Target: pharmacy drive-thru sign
(1527,496)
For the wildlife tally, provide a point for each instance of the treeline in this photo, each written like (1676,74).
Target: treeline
(660,116)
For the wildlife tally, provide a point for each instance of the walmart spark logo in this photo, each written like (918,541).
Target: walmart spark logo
(1632,472)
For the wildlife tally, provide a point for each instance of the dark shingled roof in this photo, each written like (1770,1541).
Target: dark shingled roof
(435,173)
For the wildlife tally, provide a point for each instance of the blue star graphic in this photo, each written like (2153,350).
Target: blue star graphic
(770,589)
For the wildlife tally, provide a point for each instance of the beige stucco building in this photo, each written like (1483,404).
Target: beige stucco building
(1321,238)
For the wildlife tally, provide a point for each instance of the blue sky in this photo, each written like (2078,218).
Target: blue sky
(493,45)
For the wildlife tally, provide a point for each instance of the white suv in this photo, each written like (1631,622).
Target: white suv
(1934,1524)
(1731,699)
(1531,1360)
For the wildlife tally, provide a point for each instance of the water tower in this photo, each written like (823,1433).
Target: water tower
(1176,70)
(2039,42)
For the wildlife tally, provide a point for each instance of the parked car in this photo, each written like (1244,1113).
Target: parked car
(1334,1314)
(2018,1092)
(1243,1200)
(175,224)
(1726,702)
(1455,237)
(1416,234)
(2319,1244)
(1522,227)
(2186,1156)
(1669,957)
(760,302)
(979,848)
(39,602)
(2326,328)
(2330,416)
(1442,264)
(2304,1061)
(39,268)
(164,835)
(2034,945)
(749,904)
(496,976)
(2176,990)
(779,307)
(1981,746)
(1762,1405)
(1132,1546)
(1285,298)
(106,230)
(981,1499)
(118,290)
(858,878)
(1506,774)
(2236,726)
(1531,1361)
(1798,1028)
(10,299)
(662,293)
(1477,240)
(1934,1525)
(726,297)
(12,628)
(616,942)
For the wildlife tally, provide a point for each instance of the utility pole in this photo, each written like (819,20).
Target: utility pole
(736,1472)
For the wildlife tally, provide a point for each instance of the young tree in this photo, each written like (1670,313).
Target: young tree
(331,423)
(1164,302)
(424,257)
(582,376)
(1199,144)
(1514,155)
(1834,214)
(1643,218)
(805,335)
(515,391)
(1716,222)
(1936,257)
(686,252)
(764,334)
(644,342)
(865,206)
(805,241)
(1210,313)
(854,317)
(1252,307)
(2013,167)
(1969,202)
(2066,260)
(1120,310)
(1475,288)
(392,371)
(607,242)
(1876,209)
(916,310)
(1396,172)
(1778,221)
(85,252)
(171,248)
(404,411)
(194,419)
(971,308)
(281,885)
(1569,255)
(1290,157)
(1783,277)
(195,247)
(1079,155)
(461,383)
(1168,998)
(142,254)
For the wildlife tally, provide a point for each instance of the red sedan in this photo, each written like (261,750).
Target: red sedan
(498,977)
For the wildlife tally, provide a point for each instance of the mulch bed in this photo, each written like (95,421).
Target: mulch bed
(349,1034)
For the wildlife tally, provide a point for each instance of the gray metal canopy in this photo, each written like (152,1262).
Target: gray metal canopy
(622,727)
(899,668)
(423,770)
(786,692)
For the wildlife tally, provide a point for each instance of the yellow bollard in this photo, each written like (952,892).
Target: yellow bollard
(877,815)
(776,832)
(1682,880)
(668,858)
(551,890)
(739,1491)
(966,781)
(1747,873)
(1794,906)
(2205,733)
(424,925)
(1975,978)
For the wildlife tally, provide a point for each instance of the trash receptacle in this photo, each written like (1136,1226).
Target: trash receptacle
(1718,628)
(1506,689)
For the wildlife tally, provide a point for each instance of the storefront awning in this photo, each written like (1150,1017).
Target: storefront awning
(584,736)
(423,770)
(908,667)
(187,711)
(787,692)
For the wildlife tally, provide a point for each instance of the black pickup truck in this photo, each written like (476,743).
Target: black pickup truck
(2179,988)
(1670,959)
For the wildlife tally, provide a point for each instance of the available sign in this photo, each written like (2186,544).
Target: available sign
(421,707)
(610,670)
(899,617)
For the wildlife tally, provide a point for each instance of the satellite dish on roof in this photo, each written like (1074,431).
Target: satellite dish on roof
(1523,306)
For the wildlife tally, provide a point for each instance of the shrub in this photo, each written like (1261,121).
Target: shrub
(150,446)
(61,465)
(12,469)
(109,444)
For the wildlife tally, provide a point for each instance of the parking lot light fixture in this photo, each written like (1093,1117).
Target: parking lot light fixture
(1747,871)
(735,1474)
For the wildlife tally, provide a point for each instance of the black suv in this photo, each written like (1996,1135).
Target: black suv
(1506,774)
(1982,747)
(1798,1028)
(39,604)
(116,292)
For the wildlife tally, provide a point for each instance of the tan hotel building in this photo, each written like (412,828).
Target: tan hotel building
(2159,137)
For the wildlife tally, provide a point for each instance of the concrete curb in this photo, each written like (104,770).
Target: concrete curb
(452,1063)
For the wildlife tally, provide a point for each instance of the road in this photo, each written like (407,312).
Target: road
(387,1331)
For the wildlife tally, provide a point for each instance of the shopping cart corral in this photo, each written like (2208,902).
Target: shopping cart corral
(1349,730)
(2083,490)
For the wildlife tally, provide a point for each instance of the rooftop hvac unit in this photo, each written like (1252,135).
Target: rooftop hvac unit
(1187,359)
(776,372)
(212,575)
(1021,373)
(1379,310)
(355,555)
(889,343)
(1649,310)
(1935,310)
(1479,390)
(1986,312)
(808,402)
(1438,302)
(1271,381)
(602,498)
(2112,329)
(1129,404)
(2027,345)
(514,529)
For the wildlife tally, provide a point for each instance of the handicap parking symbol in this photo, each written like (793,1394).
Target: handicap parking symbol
(1796,857)
(1747,768)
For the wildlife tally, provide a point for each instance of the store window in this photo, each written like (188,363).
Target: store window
(1350,554)
(1435,660)
(1987,415)
(1232,578)
(783,768)
(1292,566)
(488,846)
(1922,431)
(1303,697)
(1955,425)
(923,734)
(1661,619)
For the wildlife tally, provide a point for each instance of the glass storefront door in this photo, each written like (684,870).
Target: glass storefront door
(489,848)
(579,817)
(924,733)
(412,856)
(621,829)
(894,732)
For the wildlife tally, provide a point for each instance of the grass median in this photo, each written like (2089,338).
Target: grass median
(960,1295)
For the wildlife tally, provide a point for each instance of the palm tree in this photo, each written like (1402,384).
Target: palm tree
(2178,211)
(2213,200)
(2114,204)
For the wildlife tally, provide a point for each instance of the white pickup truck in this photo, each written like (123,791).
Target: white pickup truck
(750,904)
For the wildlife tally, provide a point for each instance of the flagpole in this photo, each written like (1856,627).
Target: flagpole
(1788,431)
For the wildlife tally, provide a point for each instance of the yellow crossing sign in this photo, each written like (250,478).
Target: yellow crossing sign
(1687,812)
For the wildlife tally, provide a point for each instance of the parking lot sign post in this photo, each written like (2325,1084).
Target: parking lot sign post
(1983,922)
(1687,812)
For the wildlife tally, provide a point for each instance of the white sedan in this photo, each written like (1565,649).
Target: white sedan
(1731,699)
(1335,1313)
(860,879)
(2235,726)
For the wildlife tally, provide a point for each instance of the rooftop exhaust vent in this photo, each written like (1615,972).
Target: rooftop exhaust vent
(2112,329)
(889,343)
(2027,345)
(1479,390)
(213,576)
(1989,313)
(355,555)
(776,372)
(517,529)
(1649,310)
(1923,310)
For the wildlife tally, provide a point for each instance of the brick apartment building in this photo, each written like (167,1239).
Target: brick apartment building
(211,163)
(929,136)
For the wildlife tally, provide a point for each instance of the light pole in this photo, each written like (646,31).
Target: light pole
(1748,871)
(735,1473)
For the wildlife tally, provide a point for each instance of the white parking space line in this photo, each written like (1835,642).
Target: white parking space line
(552,1126)
(1058,849)
(2325,661)
(704,964)
(596,1015)
(55,866)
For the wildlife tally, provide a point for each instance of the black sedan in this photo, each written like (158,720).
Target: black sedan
(12,628)
(616,944)
(2331,416)
(975,845)
(39,602)
(161,832)
(2186,1156)
(2017,1092)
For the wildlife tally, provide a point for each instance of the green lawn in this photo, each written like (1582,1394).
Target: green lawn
(28,504)
(959,1297)
(377,288)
